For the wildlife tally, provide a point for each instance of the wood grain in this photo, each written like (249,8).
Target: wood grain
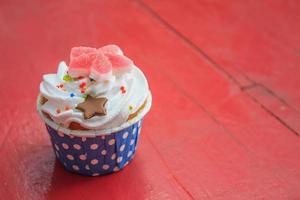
(214,130)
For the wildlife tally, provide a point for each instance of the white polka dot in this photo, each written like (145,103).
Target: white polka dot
(129,154)
(105,167)
(122,147)
(133,131)
(83,139)
(103,152)
(125,135)
(82,157)
(65,164)
(71,136)
(94,162)
(126,163)
(75,167)
(113,156)
(56,147)
(65,146)
(139,124)
(103,137)
(87,167)
(116,169)
(57,155)
(95,174)
(111,142)
(139,131)
(132,142)
(61,134)
(94,146)
(70,157)
(77,146)
(119,159)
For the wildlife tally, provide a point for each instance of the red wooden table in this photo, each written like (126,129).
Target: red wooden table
(225,77)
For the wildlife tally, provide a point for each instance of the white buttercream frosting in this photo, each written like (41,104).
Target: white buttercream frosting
(63,97)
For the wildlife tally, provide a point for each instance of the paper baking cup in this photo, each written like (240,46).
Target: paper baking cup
(95,152)
(96,155)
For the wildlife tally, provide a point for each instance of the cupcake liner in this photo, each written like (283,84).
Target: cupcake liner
(98,154)
(95,152)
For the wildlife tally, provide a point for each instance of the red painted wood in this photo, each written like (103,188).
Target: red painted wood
(257,38)
(276,107)
(203,139)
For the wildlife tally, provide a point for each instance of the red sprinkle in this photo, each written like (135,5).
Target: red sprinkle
(58,111)
(83,84)
(80,77)
(61,85)
(82,91)
(122,88)
(67,108)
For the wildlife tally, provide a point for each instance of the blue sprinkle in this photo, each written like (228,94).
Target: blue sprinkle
(72,95)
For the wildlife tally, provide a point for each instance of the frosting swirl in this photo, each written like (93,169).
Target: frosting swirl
(101,73)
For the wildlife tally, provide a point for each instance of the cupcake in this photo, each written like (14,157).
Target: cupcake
(93,109)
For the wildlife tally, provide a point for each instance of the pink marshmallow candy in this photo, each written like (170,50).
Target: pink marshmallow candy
(98,64)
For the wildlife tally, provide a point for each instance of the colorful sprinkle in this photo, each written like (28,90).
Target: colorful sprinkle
(58,110)
(82,91)
(67,107)
(84,96)
(67,78)
(82,85)
(130,107)
(72,95)
(106,82)
(123,90)
(60,86)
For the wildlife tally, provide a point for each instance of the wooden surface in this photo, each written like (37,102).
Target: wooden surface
(225,121)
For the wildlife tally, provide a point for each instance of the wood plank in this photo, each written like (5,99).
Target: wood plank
(254,40)
(276,107)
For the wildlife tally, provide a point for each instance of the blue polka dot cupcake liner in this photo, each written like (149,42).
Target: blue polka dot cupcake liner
(95,152)
(94,155)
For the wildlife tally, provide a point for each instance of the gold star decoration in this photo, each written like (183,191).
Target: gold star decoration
(92,107)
